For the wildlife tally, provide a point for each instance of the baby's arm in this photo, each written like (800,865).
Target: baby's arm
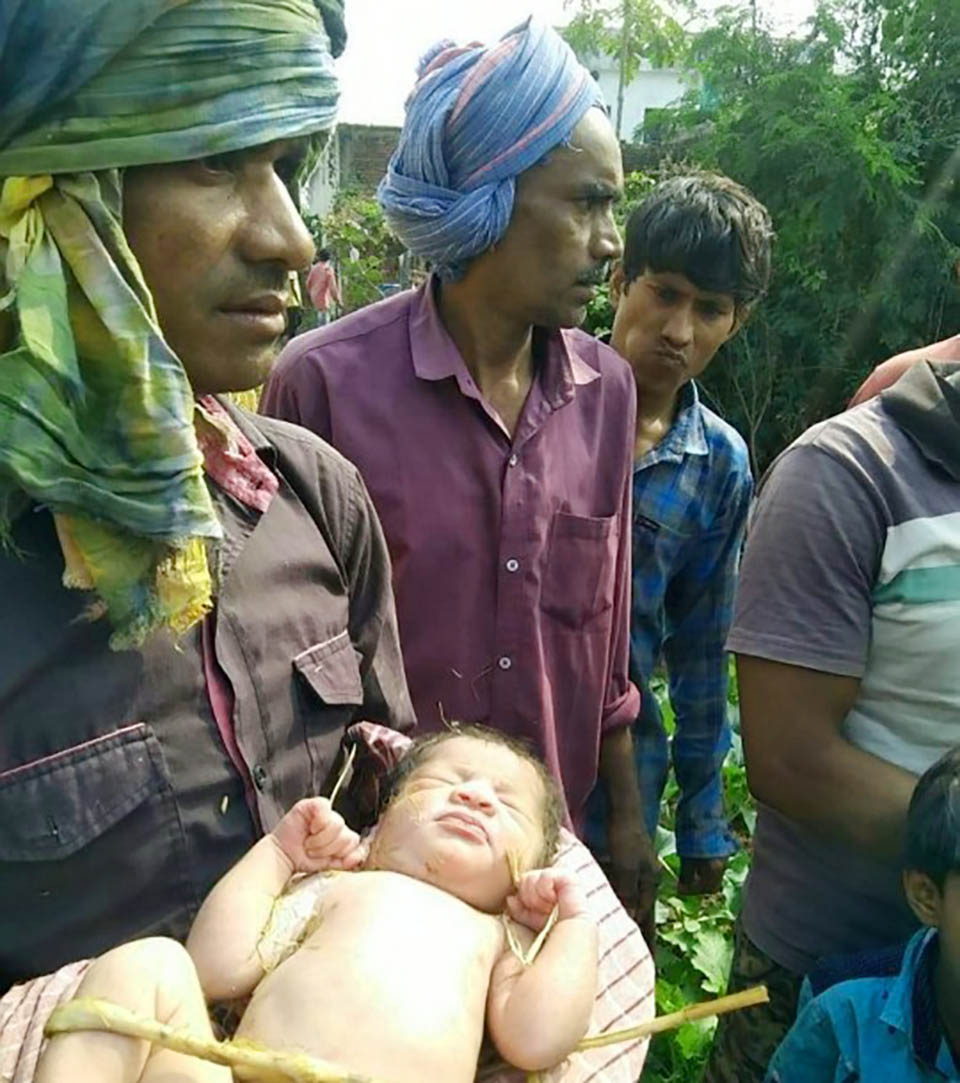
(537,1014)
(223,940)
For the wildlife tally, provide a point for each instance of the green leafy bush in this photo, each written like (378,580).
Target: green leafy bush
(695,935)
(365,253)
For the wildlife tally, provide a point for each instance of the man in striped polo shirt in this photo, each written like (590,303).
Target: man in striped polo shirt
(846,631)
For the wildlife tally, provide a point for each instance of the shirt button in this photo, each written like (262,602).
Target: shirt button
(259,777)
(512,461)
(512,565)
(504,662)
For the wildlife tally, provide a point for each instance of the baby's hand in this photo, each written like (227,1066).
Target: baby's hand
(315,838)
(542,889)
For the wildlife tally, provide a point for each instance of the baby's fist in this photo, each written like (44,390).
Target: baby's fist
(542,889)
(315,838)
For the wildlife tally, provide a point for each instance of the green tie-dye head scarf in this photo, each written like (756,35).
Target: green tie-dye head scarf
(96,412)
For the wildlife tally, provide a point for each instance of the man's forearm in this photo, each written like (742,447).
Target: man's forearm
(632,867)
(800,762)
(844,793)
(618,772)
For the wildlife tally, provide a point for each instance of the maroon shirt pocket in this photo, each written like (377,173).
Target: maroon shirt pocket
(579,579)
(92,853)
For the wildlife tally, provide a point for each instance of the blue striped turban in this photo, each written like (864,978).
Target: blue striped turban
(477,118)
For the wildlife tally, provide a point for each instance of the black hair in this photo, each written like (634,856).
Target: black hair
(323,254)
(933,820)
(706,227)
(554,810)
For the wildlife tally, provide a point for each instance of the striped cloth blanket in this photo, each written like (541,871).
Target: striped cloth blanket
(625,987)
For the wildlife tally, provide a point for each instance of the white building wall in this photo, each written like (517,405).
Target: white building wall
(325,179)
(651,88)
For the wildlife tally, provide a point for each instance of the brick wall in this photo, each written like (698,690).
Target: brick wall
(364,153)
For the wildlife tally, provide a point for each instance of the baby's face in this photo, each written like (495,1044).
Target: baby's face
(461,812)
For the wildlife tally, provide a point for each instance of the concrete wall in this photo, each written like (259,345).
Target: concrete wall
(322,185)
(356,157)
(652,88)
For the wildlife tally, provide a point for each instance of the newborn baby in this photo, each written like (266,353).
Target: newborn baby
(402,961)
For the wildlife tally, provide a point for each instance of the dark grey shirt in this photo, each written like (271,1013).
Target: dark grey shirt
(120,805)
(852,567)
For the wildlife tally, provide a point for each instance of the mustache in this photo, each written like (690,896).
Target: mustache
(260,279)
(595,277)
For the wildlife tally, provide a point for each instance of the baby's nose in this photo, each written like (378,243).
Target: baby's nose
(476,794)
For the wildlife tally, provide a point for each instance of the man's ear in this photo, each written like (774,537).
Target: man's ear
(618,283)
(923,895)
(740,316)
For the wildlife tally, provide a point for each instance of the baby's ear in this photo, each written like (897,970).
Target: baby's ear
(924,897)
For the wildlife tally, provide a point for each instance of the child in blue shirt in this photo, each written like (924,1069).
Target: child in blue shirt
(899,1019)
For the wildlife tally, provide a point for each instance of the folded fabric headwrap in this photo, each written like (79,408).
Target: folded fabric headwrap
(155,81)
(477,118)
(96,411)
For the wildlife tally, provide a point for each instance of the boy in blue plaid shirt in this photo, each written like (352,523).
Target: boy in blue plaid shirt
(696,259)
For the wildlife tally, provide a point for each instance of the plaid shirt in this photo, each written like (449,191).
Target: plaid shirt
(691,494)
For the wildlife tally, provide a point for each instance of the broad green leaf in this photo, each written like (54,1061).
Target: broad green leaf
(712,957)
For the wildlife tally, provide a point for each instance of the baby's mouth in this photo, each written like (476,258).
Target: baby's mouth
(462,823)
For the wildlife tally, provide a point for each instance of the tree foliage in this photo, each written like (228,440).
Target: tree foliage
(632,31)
(654,33)
(365,253)
(849,132)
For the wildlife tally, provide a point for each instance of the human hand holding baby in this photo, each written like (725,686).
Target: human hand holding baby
(539,891)
(314,838)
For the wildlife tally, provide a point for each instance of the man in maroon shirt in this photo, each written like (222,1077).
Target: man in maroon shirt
(498,447)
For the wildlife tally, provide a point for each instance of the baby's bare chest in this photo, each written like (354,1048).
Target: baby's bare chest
(387,947)
(391,916)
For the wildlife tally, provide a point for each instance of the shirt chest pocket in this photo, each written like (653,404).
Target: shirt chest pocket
(91,853)
(332,692)
(579,579)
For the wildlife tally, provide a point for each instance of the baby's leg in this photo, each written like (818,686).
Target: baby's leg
(154,978)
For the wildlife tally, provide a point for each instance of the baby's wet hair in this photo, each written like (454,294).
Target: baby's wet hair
(933,820)
(554,810)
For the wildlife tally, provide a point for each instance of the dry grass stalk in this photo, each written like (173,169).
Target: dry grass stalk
(513,864)
(528,956)
(542,935)
(735,1002)
(707,1008)
(448,724)
(347,764)
(247,1059)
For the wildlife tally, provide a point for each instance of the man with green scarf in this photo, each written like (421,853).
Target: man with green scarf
(196,603)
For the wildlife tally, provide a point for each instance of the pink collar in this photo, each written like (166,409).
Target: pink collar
(230,459)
